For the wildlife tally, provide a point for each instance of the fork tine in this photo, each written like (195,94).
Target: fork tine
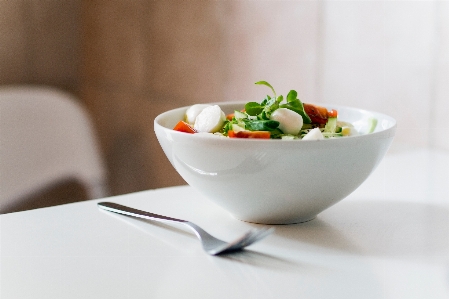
(243,241)
(249,238)
(259,235)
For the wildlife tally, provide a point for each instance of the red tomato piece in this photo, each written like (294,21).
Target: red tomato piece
(230,116)
(250,134)
(182,126)
(332,113)
(318,114)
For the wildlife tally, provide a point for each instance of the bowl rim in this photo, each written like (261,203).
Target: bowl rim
(384,133)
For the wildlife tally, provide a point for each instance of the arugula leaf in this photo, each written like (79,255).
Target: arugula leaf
(276,134)
(271,106)
(265,101)
(261,125)
(292,96)
(267,84)
(253,108)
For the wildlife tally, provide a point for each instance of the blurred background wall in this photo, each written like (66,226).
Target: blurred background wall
(129,60)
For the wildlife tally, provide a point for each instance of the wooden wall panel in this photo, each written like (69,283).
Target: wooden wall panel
(39,43)
(13,42)
(141,58)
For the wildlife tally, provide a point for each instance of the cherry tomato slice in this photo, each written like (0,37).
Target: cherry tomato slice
(332,113)
(230,116)
(317,114)
(182,126)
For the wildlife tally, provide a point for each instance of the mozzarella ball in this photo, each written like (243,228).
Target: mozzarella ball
(211,119)
(290,122)
(314,134)
(193,111)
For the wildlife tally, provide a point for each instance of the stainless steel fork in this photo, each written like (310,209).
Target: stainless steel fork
(210,244)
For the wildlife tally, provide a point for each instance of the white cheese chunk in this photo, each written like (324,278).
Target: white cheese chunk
(193,111)
(314,134)
(211,119)
(290,122)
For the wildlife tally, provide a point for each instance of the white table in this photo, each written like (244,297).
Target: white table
(389,239)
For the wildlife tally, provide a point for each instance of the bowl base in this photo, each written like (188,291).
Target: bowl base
(278,222)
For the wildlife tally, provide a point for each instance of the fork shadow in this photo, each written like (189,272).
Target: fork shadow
(264,260)
(167,230)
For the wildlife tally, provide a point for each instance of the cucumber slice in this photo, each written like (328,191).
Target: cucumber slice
(331,125)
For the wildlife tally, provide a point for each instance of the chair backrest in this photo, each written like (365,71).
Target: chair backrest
(45,137)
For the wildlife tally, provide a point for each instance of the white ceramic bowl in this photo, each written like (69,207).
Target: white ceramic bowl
(275,181)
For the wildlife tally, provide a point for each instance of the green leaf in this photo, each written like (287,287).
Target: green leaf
(279,99)
(265,101)
(270,107)
(261,125)
(276,134)
(253,108)
(266,84)
(226,127)
(292,96)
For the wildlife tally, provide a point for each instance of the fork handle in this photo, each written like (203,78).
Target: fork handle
(120,209)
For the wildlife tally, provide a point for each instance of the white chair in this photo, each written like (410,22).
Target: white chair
(45,137)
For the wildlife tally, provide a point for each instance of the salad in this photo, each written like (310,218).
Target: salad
(273,118)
